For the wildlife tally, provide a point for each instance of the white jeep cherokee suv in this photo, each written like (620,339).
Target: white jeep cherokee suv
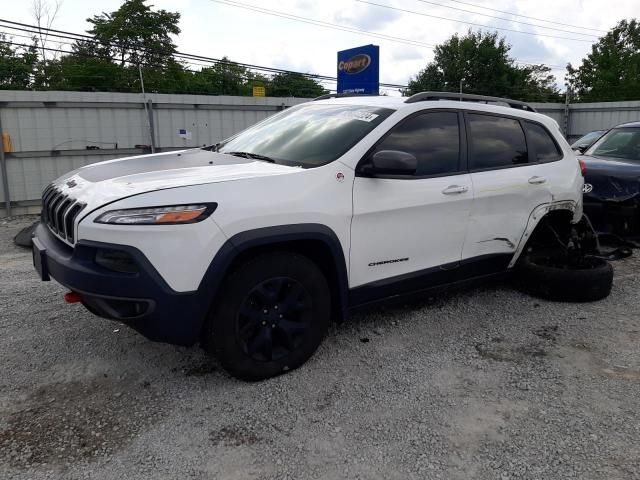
(253,245)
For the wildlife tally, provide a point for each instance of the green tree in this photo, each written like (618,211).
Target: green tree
(225,78)
(17,65)
(256,80)
(479,62)
(294,85)
(133,35)
(171,78)
(222,78)
(90,74)
(228,78)
(611,72)
(136,34)
(130,38)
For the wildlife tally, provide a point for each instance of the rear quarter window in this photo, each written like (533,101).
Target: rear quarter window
(542,143)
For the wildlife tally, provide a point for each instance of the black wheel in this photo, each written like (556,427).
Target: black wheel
(552,277)
(271,316)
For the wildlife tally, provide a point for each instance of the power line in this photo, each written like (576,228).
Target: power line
(321,23)
(173,82)
(86,38)
(471,23)
(210,62)
(508,19)
(30,37)
(191,57)
(180,87)
(341,27)
(526,16)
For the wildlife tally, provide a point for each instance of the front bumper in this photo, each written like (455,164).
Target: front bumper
(141,299)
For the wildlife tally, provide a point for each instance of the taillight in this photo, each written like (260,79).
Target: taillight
(583,167)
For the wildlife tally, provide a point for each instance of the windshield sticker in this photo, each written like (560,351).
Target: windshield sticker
(362,115)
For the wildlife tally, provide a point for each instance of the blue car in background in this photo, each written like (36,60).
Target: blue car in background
(587,140)
(612,181)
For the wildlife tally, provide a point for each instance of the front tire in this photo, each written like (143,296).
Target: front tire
(270,317)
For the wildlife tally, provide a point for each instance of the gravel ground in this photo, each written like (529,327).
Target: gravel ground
(485,383)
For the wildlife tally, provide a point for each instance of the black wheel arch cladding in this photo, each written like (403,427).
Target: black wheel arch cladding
(293,236)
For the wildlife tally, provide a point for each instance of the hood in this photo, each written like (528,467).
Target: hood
(104,182)
(611,179)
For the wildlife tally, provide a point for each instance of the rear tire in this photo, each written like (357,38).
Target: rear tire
(270,317)
(548,277)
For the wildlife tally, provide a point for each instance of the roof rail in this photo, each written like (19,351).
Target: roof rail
(468,97)
(340,95)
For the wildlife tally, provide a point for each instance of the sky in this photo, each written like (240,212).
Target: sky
(216,28)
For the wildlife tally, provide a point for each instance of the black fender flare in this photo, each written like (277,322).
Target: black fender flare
(265,236)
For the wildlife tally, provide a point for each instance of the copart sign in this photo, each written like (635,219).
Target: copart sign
(358,70)
(355,64)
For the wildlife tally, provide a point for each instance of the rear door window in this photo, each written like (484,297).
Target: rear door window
(495,142)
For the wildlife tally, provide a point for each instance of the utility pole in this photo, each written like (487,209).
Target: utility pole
(3,172)
(565,123)
(146,111)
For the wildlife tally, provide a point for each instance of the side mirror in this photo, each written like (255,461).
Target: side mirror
(393,162)
(582,148)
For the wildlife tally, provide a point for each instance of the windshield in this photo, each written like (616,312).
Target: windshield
(308,136)
(588,139)
(618,143)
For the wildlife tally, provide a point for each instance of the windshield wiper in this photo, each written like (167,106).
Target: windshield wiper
(252,156)
(212,148)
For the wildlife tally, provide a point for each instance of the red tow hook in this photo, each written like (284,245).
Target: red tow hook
(72,297)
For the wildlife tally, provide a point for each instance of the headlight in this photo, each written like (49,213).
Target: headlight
(171,215)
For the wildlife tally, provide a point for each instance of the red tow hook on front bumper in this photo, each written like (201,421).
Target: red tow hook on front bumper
(72,297)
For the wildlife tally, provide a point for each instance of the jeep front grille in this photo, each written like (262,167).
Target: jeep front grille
(59,212)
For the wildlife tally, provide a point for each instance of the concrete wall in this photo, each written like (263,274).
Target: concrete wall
(586,117)
(553,110)
(582,118)
(54,132)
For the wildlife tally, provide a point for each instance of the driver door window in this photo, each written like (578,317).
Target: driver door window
(433,138)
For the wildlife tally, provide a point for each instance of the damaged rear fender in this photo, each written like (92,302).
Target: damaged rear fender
(537,215)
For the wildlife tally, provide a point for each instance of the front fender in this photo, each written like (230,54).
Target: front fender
(275,235)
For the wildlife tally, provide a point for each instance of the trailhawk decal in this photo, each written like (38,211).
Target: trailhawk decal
(384,262)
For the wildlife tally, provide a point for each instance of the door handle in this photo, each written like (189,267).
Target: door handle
(536,180)
(453,189)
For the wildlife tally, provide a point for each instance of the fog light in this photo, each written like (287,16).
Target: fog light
(116,260)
